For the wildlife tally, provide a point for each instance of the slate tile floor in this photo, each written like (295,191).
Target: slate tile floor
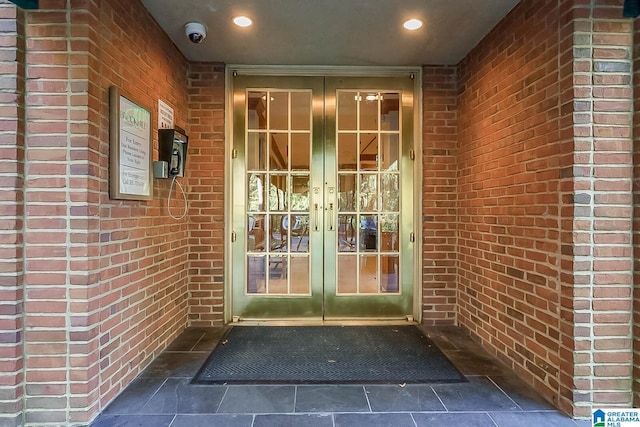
(162,396)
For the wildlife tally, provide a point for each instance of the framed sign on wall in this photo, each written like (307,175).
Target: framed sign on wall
(131,148)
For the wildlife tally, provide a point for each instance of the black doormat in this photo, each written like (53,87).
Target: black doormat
(326,355)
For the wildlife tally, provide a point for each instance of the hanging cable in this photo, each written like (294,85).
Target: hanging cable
(184,196)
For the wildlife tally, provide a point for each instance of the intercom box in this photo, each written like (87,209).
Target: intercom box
(172,148)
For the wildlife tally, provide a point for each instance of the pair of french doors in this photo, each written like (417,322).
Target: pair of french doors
(322,197)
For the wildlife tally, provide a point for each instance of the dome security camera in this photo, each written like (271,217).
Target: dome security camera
(195,31)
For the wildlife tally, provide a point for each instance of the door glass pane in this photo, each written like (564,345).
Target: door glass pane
(369,151)
(389,277)
(256,152)
(346,193)
(255,233)
(368,111)
(278,273)
(390,149)
(278,193)
(369,233)
(390,190)
(256,110)
(347,233)
(389,111)
(368,280)
(301,110)
(389,226)
(299,193)
(299,233)
(256,275)
(368,193)
(300,151)
(279,111)
(300,273)
(278,233)
(347,151)
(279,152)
(256,192)
(347,110)
(347,274)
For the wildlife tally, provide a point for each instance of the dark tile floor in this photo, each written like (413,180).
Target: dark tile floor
(162,395)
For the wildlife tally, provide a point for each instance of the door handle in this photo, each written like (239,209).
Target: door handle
(316,216)
(331,217)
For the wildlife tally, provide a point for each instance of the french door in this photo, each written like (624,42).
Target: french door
(322,197)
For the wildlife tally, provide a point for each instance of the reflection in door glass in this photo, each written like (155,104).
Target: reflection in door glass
(256,110)
(256,192)
(369,233)
(347,193)
(300,151)
(347,152)
(279,110)
(279,152)
(369,151)
(347,283)
(368,192)
(368,240)
(347,233)
(256,274)
(277,193)
(368,283)
(256,233)
(300,274)
(389,274)
(278,160)
(300,111)
(368,110)
(347,110)
(390,148)
(390,189)
(390,111)
(257,152)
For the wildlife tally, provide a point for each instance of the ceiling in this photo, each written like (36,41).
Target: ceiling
(331,32)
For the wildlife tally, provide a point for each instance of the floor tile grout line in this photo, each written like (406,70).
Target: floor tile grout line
(415,423)
(153,395)
(198,342)
(226,390)
(295,398)
(440,399)
(504,392)
(366,396)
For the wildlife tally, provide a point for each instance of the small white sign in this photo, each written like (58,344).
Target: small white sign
(165,115)
(615,417)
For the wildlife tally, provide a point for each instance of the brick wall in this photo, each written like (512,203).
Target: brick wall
(106,280)
(508,189)
(11,213)
(439,167)
(207,175)
(544,199)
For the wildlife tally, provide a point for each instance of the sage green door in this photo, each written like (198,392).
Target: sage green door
(322,197)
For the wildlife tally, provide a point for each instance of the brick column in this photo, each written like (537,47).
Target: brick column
(602,179)
(439,213)
(636,216)
(207,165)
(61,224)
(11,213)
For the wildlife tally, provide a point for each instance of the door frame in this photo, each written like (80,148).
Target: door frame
(323,71)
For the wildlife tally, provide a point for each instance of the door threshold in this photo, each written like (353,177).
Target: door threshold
(408,320)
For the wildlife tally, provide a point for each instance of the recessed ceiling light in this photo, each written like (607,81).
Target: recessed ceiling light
(412,24)
(242,21)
